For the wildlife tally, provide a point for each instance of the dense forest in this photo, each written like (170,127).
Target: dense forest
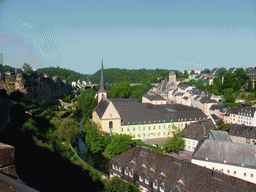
(111,76)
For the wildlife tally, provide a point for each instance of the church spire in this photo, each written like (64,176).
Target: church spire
(102,89)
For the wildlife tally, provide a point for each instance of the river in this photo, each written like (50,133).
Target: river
(83,149)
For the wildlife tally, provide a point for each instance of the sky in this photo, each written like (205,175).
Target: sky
(134,34)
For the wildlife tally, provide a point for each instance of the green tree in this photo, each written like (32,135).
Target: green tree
(87,102)
(221,125)
(118,145)
(120,90)
(206,70)
(247,70)
(229,81)
(249,87)
(116,184)
(186,75)
(95,139)
(200,84)
(229,95)
(222,71)
(176,142)
(241,75)
(27,68)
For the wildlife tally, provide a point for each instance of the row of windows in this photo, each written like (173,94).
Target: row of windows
(153,134)
(153,128)
(229,172)
(149,128)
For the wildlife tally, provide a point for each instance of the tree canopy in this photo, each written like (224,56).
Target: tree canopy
(221,125)
(176,142)
(27,68)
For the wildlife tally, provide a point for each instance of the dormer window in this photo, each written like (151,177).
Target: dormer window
(155,184)
(113,166)
(161,188)
(162,174)
(152,169)
(143,165)
(120,169)
(140,179)
(146,181)
(126,171)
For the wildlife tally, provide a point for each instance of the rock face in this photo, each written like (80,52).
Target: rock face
(35,87)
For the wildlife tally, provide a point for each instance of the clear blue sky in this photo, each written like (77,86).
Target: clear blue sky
(134,34)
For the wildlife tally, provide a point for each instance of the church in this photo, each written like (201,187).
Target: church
(144,121)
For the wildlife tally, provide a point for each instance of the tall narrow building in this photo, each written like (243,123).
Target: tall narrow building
(102,93)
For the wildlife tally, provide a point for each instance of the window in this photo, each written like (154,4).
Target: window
(133,136)
(122,129)
(120,169)
(144,134)
(149,135)
(128,129)
(164,133)
(244,174)
(130,173)
(144,128)
(234,172)
(133,128)
(168,133)
(159,127)
(149,127)
(125,172)
(110,124)
(116,168)
(164,126)
(146,181)
(154,134)
(113,166)
(141,179)
(251,175)
(154,127)
(139,128)
(169,126)
(154,185)
(138,135)
(228,171)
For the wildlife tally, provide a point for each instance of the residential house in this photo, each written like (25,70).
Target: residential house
(241,115)
(154,171)
(242,134)
(153,98)
(234,159)
(219,110)
(195,131)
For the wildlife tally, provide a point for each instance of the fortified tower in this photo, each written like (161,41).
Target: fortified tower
(102,93)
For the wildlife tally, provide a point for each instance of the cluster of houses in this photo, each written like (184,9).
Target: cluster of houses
(217,160)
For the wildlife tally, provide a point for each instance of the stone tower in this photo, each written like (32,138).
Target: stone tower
(172,78)
(102,93)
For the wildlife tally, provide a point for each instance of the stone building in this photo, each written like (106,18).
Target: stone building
(243,134)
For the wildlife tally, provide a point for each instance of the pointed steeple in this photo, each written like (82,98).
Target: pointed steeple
(102,88)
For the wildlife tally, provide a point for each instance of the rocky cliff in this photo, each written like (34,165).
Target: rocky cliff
(35,87)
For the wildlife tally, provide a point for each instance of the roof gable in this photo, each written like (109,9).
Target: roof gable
(111,112)
(101,107)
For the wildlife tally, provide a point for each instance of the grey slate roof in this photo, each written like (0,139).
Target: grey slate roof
(242,131)
(221,107)
(207,100)
(173,172)
(179,94)
(243,111)
(133,112)
(197,130)
(219,135)
(234,153)
(214,72)
(215,118)
(152,96)
(232,70)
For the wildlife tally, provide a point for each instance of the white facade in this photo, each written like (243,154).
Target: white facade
(73,84)
(190,144)
(235,171)
(242,118)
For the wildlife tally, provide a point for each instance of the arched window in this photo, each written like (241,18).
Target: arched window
(110,124)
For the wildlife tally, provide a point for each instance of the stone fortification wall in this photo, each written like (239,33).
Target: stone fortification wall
(35,87)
